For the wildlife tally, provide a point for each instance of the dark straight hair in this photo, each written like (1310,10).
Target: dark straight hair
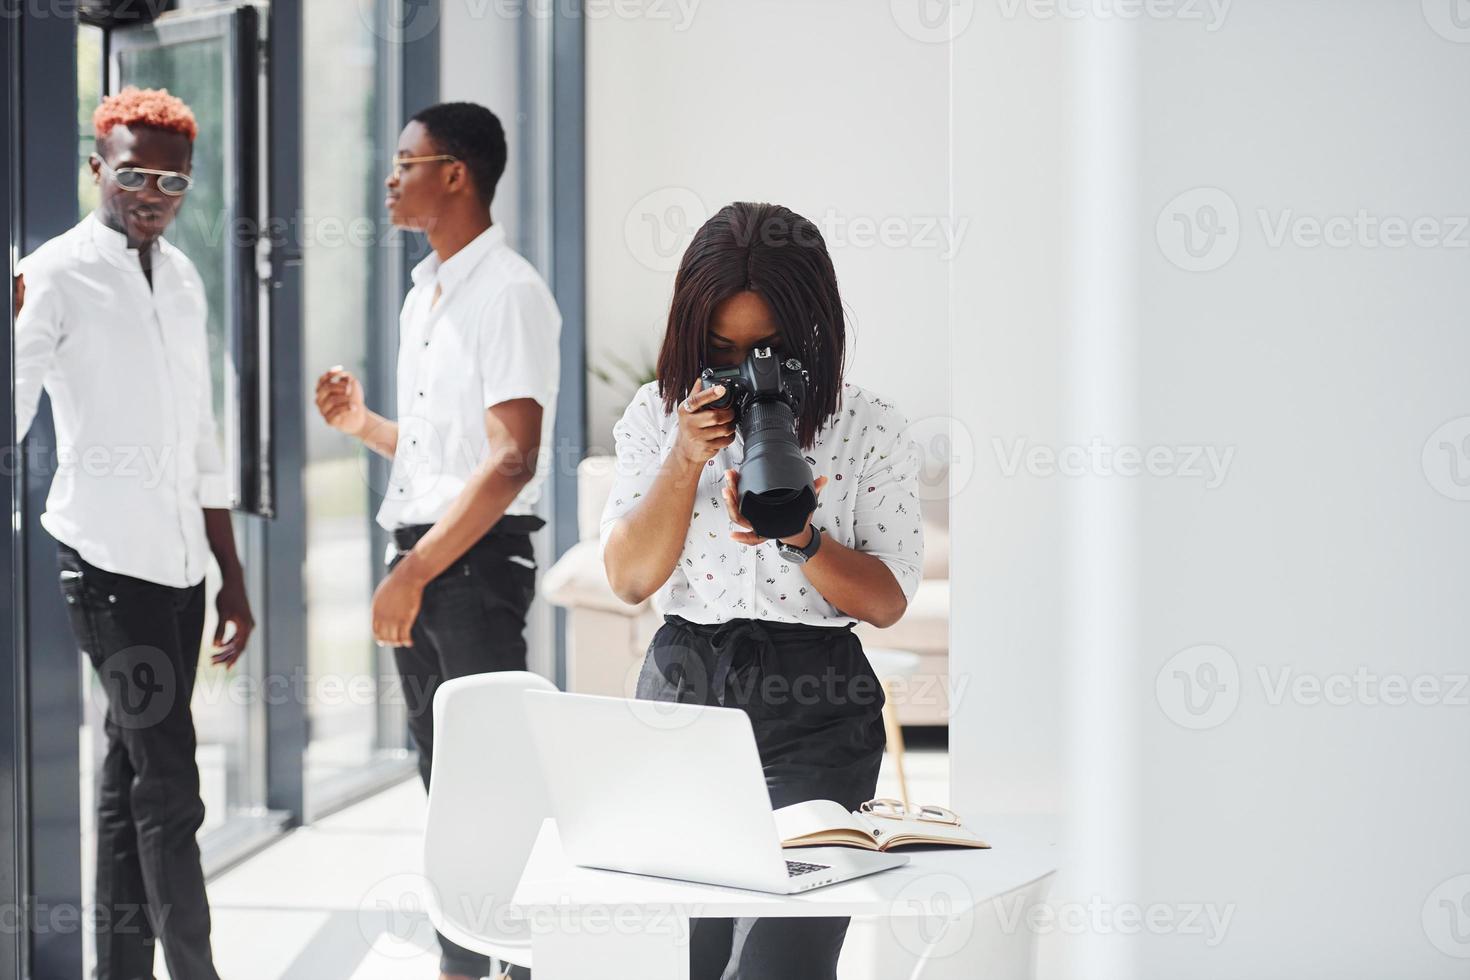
(780,256)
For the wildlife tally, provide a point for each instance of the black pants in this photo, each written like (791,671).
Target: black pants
(816,708)
(472,621)
(143,640)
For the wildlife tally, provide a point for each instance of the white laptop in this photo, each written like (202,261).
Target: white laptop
(675,791)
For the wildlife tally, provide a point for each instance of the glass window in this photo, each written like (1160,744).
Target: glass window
(341,235)
(89,93)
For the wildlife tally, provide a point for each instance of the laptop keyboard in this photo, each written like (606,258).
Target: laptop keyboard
(795,868)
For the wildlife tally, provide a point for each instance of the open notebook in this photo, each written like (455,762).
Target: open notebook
(825,822)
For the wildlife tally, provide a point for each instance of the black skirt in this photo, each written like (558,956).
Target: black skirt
(816,708)
(812,697)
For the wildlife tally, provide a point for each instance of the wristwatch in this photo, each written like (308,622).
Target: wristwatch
(800,556)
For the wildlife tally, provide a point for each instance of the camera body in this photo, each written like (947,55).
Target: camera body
(762,376)
(777,494)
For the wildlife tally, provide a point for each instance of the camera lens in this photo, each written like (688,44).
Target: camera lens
(776,491)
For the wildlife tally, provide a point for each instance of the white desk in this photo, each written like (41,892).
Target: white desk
(600,925)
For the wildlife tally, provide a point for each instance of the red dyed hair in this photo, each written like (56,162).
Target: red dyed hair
(145,107)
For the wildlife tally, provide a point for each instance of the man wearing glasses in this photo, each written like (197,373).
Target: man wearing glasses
(111,322)
(478,371)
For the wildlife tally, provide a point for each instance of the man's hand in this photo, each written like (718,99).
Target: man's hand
(233,606)
(340,400)
(396,605)
(743,533)
(20,293)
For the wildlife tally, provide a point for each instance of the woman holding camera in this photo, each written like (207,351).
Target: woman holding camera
(759,624)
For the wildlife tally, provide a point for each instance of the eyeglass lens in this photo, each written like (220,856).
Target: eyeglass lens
(134,180)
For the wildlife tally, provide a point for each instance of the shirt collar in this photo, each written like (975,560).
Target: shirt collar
(458,266)
(113,245)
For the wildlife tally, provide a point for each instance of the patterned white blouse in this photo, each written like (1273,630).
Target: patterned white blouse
(870,503)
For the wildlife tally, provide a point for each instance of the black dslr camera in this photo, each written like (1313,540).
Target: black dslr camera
(776,486)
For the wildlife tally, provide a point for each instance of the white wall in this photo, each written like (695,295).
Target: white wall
(1327,549)
(478,62)
(1006,351)
(820,105)
(1091,609)
(1037,360)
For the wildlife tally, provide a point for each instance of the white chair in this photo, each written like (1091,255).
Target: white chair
(487,801)
(1000,945)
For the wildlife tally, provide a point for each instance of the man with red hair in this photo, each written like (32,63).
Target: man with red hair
(112,323)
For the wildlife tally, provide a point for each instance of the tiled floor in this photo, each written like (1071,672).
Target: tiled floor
(338,900)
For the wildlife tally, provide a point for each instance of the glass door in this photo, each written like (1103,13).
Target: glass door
(357,725)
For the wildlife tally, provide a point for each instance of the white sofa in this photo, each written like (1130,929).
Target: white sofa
(607,638)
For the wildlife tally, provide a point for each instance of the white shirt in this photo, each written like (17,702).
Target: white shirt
(493,336)
(127,369)
(870,503)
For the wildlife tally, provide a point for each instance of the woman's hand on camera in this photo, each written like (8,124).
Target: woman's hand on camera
(743,533)
(703,432)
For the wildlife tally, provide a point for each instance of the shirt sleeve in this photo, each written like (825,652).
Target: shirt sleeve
(886,520)
(37,337)
(520,352)
(639,440)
